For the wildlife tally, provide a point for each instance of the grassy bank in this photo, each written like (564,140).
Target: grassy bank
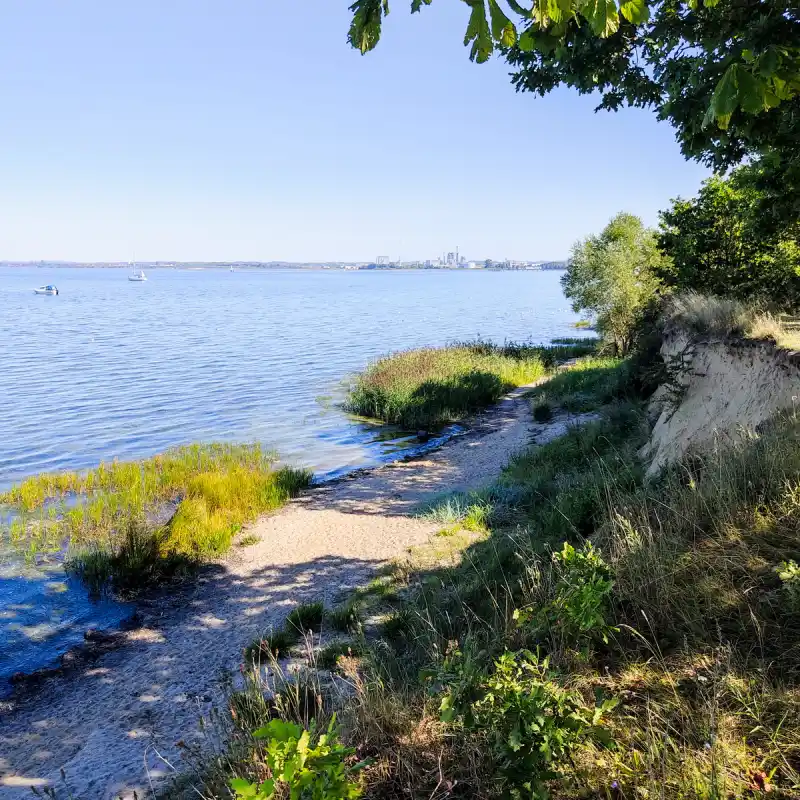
(139,521)
(586,634)
(433,386)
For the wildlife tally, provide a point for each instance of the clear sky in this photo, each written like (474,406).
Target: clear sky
(248,129)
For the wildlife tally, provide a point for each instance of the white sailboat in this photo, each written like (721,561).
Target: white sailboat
(137,276)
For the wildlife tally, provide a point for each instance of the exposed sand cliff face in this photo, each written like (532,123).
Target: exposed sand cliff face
(720,391)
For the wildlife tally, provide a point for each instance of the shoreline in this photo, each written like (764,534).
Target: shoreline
(323,544)
(98,641)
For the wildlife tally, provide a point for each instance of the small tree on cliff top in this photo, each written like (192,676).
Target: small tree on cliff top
(613,276)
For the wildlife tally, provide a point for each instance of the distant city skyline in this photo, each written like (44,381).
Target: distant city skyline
(200,132)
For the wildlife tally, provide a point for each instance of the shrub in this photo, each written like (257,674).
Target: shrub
(789,573)
(542,412)
(532,722)
(580,604)
(303,764)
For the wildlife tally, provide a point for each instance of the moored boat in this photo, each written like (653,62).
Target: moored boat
(49,289)
(137,276)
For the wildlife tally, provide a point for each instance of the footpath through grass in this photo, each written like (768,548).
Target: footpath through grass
(589,635)
(127,524)
(433,386)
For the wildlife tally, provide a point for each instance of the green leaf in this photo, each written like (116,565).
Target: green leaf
(503,29)
(768,62)
(365,28)
(527,40)
(243,788)
(416,5)
(635,11)
(478,33)
(751,91)
(602,16)
(518,9)
(725,97)
(711,3)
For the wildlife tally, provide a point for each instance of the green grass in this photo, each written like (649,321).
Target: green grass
(328,656)
(705,654)
(420,389)
(111,516)
(696,634)
(585,386)
(345,618)
(272,645)
(306,617)
(683,613)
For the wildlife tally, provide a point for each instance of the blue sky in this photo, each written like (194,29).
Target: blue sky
(248,129)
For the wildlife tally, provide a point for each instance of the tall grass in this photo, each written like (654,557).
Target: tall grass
(134,521)
(433,386)
(727,317)
(672,642)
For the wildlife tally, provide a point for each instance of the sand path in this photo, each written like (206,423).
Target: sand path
(107,723)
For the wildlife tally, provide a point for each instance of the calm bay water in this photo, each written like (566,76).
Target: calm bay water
(115,369)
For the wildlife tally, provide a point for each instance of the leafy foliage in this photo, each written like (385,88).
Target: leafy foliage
(718,243)
(307,766)
(581,598)
(755,71)
(789,573)
(532,721)
(614,277)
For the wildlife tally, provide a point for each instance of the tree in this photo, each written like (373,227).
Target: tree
(718,245)
(749,48)
(726,74)
(613,276)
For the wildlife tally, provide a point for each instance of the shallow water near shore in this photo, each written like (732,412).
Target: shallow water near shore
(113,369)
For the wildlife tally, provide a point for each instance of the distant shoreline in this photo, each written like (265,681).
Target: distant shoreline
(249,267)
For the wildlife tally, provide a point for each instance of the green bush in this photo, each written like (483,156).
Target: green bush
(307,766)
(532,722)
(581,597)
(789,573)
(542,412)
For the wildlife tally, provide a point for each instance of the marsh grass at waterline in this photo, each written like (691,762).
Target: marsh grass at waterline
(131,523)
(429,387)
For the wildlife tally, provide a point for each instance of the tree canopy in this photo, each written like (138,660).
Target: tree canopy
(747,51)
(718,244)
(724,73)
(613,276)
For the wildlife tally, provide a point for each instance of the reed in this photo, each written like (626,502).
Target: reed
(421,389)
(150,518)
